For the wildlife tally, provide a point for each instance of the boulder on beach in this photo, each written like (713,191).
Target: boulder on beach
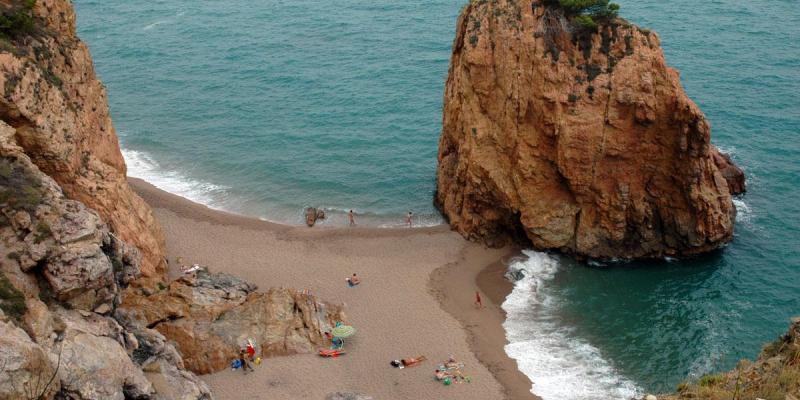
(314,214)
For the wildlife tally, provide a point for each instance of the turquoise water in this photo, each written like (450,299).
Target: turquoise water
(263,108)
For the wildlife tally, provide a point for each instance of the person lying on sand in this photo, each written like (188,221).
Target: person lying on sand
(413,361)
(441,375)
(452,363)
(353,280)
(188,270)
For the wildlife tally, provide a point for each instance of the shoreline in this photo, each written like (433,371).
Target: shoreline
(449,278)
(454,288)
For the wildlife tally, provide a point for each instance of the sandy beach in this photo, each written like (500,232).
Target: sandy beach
(416,299)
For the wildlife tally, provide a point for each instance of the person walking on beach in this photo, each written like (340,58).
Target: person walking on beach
(478,302)
(352,218)
(408,218)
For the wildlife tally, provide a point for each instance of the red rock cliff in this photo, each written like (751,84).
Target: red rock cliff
(53,99)
(581,142)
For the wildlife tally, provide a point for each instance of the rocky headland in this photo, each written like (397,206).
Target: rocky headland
(85,310)
(775,374)
(576,137)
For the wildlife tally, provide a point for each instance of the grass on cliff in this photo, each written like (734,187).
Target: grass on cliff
(18,189)
(775,375)
(12,301)
(17,19)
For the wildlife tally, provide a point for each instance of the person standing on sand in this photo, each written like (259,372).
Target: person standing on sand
(408,218)
(478,302)
(243,360)
(352,218)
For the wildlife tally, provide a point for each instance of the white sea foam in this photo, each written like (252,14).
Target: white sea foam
(743,212)
(153,25)
(561,366)
(140,165)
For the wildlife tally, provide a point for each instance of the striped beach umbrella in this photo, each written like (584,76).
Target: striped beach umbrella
(343,331)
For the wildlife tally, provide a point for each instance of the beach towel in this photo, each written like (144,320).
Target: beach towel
(330,353)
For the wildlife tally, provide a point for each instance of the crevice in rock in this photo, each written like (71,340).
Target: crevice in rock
(169,318)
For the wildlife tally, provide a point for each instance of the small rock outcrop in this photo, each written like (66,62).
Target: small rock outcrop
(576,139)
(313,215)
(210,317)
(58,109)
(732,174)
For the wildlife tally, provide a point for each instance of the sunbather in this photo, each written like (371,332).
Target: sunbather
(353,280)
(440,375)
(413,361)
(188,270)
(452,363)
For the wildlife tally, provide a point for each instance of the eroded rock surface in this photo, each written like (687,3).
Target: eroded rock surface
(64,272)
(209,318)
(81,256)
(58,109)
(579,141)
(25,367)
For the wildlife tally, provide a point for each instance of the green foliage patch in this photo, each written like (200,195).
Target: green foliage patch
(587,14)
(17,19)
(18,189)
(12,301)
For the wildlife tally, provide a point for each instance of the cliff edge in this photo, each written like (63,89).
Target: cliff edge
(59,110)
(576,138)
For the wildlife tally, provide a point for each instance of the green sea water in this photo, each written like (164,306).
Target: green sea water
(264,107)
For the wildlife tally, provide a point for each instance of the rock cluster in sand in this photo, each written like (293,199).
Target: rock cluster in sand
(210,317)
(583,142)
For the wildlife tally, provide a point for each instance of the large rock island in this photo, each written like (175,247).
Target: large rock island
(578,137)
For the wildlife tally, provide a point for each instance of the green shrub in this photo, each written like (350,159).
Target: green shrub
(587,14)
(711,380)
(17,20)
(12,302)
(585,21)
(42,232)
(18,188)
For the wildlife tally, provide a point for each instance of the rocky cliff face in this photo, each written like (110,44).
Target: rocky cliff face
(62,273)
(577,140)
(58,108)
(83,312)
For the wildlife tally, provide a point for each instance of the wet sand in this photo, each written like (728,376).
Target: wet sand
(416,298)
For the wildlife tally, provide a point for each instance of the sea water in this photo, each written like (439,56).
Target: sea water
(265,107)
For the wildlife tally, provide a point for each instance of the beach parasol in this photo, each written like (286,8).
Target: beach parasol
(343,331)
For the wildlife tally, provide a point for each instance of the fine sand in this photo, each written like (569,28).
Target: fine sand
(416,298)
